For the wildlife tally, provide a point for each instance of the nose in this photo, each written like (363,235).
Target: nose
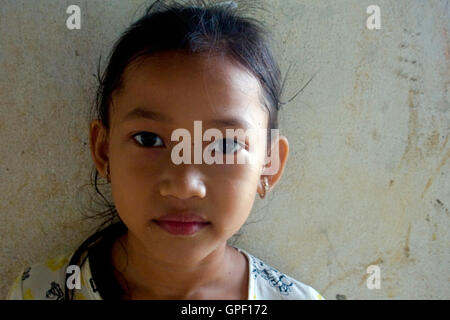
(182,181)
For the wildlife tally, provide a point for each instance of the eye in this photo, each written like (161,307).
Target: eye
(148,139)
(228,145)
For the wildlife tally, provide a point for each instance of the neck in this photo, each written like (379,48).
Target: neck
(142,274)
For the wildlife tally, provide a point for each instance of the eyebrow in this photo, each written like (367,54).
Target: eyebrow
(139,113)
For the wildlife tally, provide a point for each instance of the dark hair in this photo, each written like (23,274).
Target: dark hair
(193,28)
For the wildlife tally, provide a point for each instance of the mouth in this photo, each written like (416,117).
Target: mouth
(181,227)
(182,222)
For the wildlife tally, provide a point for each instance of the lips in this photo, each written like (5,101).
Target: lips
(182,217)
(181,223)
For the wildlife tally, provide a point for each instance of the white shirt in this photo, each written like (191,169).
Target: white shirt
(45,281)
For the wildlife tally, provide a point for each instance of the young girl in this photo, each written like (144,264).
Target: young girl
(170,223)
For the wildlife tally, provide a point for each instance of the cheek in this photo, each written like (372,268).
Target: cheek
(232,193)
(129,199)
(133,184)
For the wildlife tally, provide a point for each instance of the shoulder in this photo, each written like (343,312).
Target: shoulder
(268,283)
(41,281)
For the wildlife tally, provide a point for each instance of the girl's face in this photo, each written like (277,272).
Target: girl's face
(175,89)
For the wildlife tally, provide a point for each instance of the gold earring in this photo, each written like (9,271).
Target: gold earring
(265,188)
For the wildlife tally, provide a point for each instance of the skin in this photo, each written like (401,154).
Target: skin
(146,184)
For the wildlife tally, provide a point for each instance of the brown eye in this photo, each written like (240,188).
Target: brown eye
(148,139)
(229,146)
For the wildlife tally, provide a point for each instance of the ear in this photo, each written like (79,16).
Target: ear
(98,136)
(276,162)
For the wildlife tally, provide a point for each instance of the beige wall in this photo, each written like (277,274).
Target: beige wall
(367,180)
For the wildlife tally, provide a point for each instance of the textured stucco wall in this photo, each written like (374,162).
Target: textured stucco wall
(367,179)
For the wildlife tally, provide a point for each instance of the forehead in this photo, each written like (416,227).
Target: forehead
(190,86)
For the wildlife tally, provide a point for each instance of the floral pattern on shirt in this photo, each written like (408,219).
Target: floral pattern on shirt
(273,276)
